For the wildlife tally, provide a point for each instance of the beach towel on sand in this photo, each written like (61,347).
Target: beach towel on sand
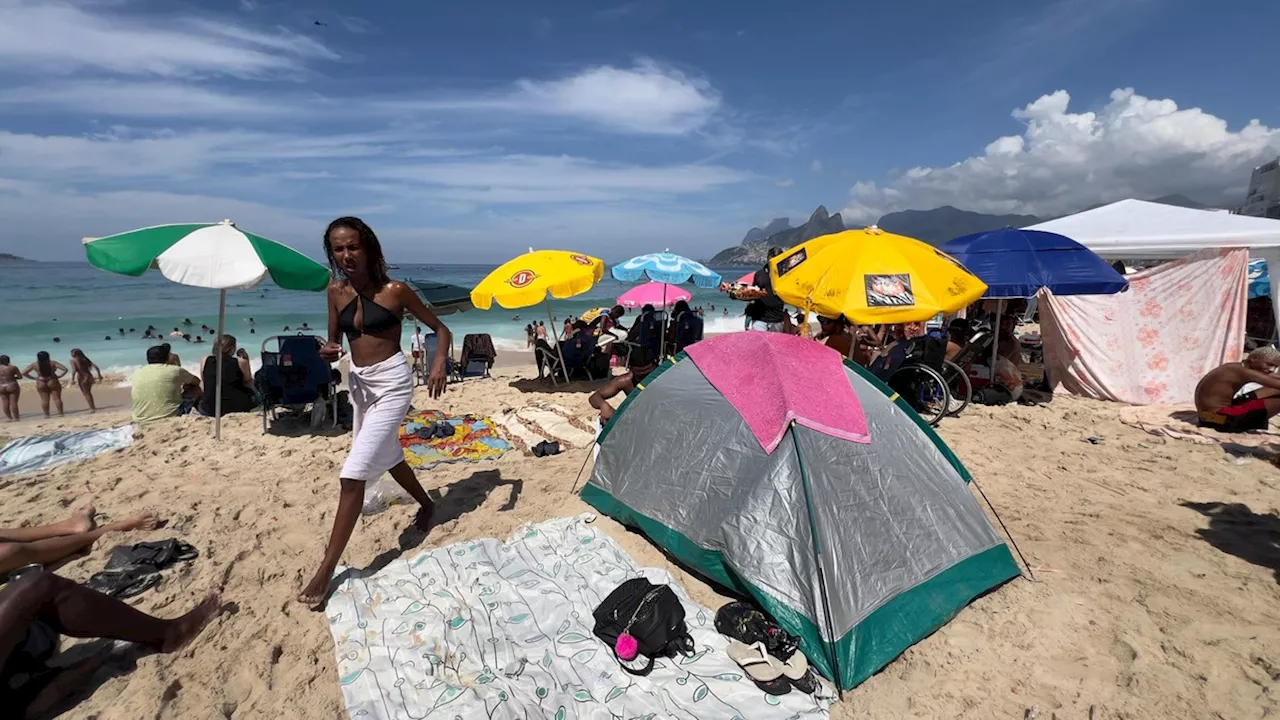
(474,439)
(485,629)
(527,426)
(41,452)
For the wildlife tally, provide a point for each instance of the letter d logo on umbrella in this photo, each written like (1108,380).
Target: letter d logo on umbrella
(522,278)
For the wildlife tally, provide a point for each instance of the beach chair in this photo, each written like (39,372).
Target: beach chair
(688,330)
(422,367)
(548,361)
(477,358)
(294,376)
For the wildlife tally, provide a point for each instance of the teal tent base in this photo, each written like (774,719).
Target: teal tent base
(882,636)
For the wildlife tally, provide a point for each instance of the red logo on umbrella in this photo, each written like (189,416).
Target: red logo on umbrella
(522,278)
(581,259)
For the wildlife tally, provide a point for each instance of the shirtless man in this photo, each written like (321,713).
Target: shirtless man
(1222,409)
(10,390)
(642,363)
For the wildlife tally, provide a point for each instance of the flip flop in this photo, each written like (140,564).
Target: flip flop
(796,670)
(764,671)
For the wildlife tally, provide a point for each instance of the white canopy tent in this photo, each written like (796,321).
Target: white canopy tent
(1140,230)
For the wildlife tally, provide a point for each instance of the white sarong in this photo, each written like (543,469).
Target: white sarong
(380,396)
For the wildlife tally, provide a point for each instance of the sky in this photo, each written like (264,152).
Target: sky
(469,132)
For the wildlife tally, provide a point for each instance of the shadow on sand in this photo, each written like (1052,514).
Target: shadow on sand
(1237,530)
(534,385)
(458,499)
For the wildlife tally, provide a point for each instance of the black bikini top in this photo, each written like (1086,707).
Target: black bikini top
(376,318)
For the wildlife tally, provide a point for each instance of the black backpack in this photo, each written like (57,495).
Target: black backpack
(652,614)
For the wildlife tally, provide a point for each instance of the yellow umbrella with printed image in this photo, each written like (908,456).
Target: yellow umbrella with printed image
(872,277)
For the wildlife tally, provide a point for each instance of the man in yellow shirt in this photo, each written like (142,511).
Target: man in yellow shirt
(158,387)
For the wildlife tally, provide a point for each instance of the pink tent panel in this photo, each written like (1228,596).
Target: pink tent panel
(772,379)
(653,293)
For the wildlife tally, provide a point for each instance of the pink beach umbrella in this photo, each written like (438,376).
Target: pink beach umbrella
(748,279)
(653,293)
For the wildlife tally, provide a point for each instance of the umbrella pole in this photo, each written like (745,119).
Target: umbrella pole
(217,349)
(559,350)
(666,313)
(995,341)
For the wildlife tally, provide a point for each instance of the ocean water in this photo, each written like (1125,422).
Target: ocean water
(83,306)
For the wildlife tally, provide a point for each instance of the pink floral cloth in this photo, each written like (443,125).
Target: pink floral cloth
(1152,344)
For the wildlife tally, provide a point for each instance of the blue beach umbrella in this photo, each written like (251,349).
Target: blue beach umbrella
(1017,263)
(666,267)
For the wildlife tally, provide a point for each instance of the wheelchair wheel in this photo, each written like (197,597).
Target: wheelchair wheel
(958,385)
(924,390)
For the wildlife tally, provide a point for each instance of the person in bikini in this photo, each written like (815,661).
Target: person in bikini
(10,390)
(48,375)
(82,371)
(367,307)
(1220,404)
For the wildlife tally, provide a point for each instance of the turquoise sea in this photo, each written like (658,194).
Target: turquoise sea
(83,306)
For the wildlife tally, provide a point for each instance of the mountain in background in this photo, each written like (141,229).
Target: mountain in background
(6,257)
(775,226)
(755,252)
(934,226)
(939,225)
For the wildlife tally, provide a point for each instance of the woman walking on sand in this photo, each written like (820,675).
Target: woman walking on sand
(10,390)
(82,370)
(48,375)
(367,307)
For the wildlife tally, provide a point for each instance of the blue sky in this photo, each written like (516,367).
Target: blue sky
(466,132)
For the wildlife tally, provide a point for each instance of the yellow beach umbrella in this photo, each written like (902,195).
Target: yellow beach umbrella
(870,276)
(530,278)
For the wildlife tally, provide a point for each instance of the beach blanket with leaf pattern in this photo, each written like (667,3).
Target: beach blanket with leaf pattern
(486,629)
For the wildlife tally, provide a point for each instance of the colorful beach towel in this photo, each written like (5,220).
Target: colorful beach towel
(474,439)
(486,629)
(772,379)
(41,452)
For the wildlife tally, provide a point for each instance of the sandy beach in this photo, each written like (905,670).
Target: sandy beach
(1156,590)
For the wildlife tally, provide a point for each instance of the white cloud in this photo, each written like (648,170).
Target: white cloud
(785,183)
(647,98)
(815,166)
(248,5)
(51,37)
(521,179)
(355,24)
(159,99)
(1133,146)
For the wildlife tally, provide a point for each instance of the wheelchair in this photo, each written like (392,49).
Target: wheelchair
(914,369)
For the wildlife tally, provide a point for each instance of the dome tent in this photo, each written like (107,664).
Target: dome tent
(767,465)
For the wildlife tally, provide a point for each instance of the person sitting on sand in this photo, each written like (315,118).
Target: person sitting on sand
(835,331)
(48,375)
(642,363)
(158,387)
(10,390)
(48,544)
(1222,406)
(39,606)
(82,370)
(238,394)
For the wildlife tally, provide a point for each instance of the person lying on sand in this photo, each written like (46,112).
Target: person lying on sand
(1221,408)
(39,606)
(47,544)
(642,363)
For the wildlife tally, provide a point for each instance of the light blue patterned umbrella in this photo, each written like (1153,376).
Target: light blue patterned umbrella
(666,267)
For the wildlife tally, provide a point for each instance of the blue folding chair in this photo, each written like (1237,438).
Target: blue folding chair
(294,376)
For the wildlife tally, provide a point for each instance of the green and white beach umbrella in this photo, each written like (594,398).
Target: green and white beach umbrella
(219,256)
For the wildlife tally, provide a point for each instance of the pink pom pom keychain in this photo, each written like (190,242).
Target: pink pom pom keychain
(627,648)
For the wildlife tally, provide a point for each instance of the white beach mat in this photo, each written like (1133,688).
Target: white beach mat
(486,629)
(41,452)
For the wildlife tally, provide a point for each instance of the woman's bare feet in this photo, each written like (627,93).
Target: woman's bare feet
(316,591)
(184,629)
(142,521)
(81,521)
